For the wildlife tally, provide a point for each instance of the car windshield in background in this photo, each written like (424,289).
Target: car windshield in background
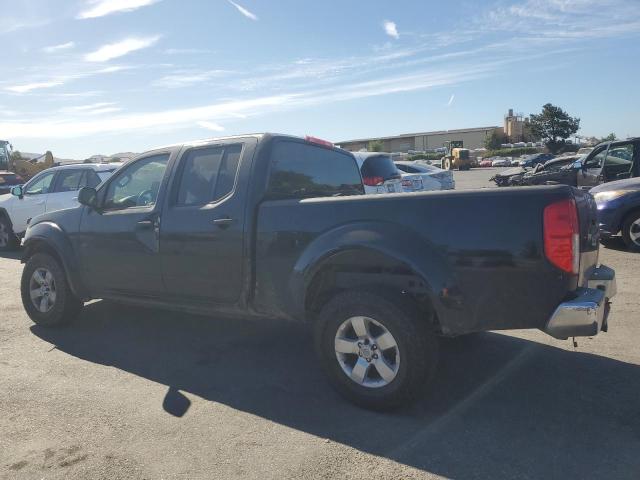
(380,166)
(10,179)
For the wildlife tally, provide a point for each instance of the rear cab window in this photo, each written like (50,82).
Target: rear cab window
(302,170)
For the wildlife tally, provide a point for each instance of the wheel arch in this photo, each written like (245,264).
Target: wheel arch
(47,237)
(5,214)
(370,255)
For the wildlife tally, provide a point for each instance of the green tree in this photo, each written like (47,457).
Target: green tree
(495,140)
(553,125)
(609,138)
(376,146)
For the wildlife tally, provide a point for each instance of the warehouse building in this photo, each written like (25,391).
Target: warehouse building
(472,138)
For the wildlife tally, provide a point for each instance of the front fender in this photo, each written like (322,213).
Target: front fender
(401,244)
(45,236)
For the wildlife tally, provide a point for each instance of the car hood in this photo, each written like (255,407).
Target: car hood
(67,219)
(511,171)
(626,184)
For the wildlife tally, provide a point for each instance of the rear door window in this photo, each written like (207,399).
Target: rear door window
(208,174)
(68,180)
(300,170)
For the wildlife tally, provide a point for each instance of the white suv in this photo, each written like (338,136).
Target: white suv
(53,189)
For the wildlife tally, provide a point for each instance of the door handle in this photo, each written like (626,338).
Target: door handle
(223,222)
(145,224)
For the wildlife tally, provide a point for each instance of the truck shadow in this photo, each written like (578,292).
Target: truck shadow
(501,407)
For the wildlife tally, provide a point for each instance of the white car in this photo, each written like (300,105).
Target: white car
(379,173)
(501,162)
(52,189)
(419,176)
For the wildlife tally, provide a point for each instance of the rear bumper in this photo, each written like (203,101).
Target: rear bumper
(587,313)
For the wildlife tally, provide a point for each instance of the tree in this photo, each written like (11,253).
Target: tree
(553,125)
(376,146)
(609,138)
(495,140)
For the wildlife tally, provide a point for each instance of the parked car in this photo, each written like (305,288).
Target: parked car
(272,226)
(486,163)
(379,173)
(552,170)
(535,159)
(501,162)
(52,189)
(426,177)
(8,180)
(619,210)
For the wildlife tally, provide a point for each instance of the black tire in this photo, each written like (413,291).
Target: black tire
(631,226)
(8,239)
(66,306)
(415,338)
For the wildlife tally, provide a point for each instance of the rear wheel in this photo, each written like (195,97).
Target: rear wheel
(631,231)
(375,349)
(8,239)
(46,295)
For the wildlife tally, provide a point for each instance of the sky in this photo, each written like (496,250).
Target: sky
(84,77)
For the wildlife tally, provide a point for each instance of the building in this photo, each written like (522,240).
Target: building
(472,138)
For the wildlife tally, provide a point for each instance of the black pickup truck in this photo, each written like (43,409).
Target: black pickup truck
(274,226)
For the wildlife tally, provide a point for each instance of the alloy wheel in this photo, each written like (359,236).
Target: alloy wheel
(634,232)
(4,235)
(367,352)
(42,289)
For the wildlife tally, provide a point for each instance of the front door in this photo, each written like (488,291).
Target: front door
(202,231)
(33,201)
(619,162)
(591,173)
(119,240)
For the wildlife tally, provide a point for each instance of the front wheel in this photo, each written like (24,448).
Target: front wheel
(46,295)
(375,349)
(8,239)
(631,232)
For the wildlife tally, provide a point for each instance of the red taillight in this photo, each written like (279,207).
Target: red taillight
(562,235)
(319,141)
(373,181)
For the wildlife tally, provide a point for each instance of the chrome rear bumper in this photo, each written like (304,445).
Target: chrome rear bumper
(587,313)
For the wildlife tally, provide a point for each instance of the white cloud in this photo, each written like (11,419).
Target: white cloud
(391,29)
(119,49)
(183,79)
(451,99)
(214,127)
(100,8)
(244,11)
(57,48)
(32,86)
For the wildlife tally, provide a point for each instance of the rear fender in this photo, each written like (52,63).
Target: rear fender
(403,246)
(49,237)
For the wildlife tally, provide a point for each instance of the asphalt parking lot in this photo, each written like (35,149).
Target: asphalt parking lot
(142,394)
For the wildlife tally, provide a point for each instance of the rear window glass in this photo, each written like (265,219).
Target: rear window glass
(380,166)
(300,170)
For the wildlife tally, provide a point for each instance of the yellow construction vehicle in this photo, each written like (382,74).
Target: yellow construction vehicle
(21,166)
(456,156)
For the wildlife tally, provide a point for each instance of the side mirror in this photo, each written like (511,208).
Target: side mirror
(18,191)
(88,196)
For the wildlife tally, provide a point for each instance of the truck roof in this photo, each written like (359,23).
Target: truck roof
(205,141)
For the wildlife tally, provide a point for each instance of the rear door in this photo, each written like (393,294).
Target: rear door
(65,191)
(203,223)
